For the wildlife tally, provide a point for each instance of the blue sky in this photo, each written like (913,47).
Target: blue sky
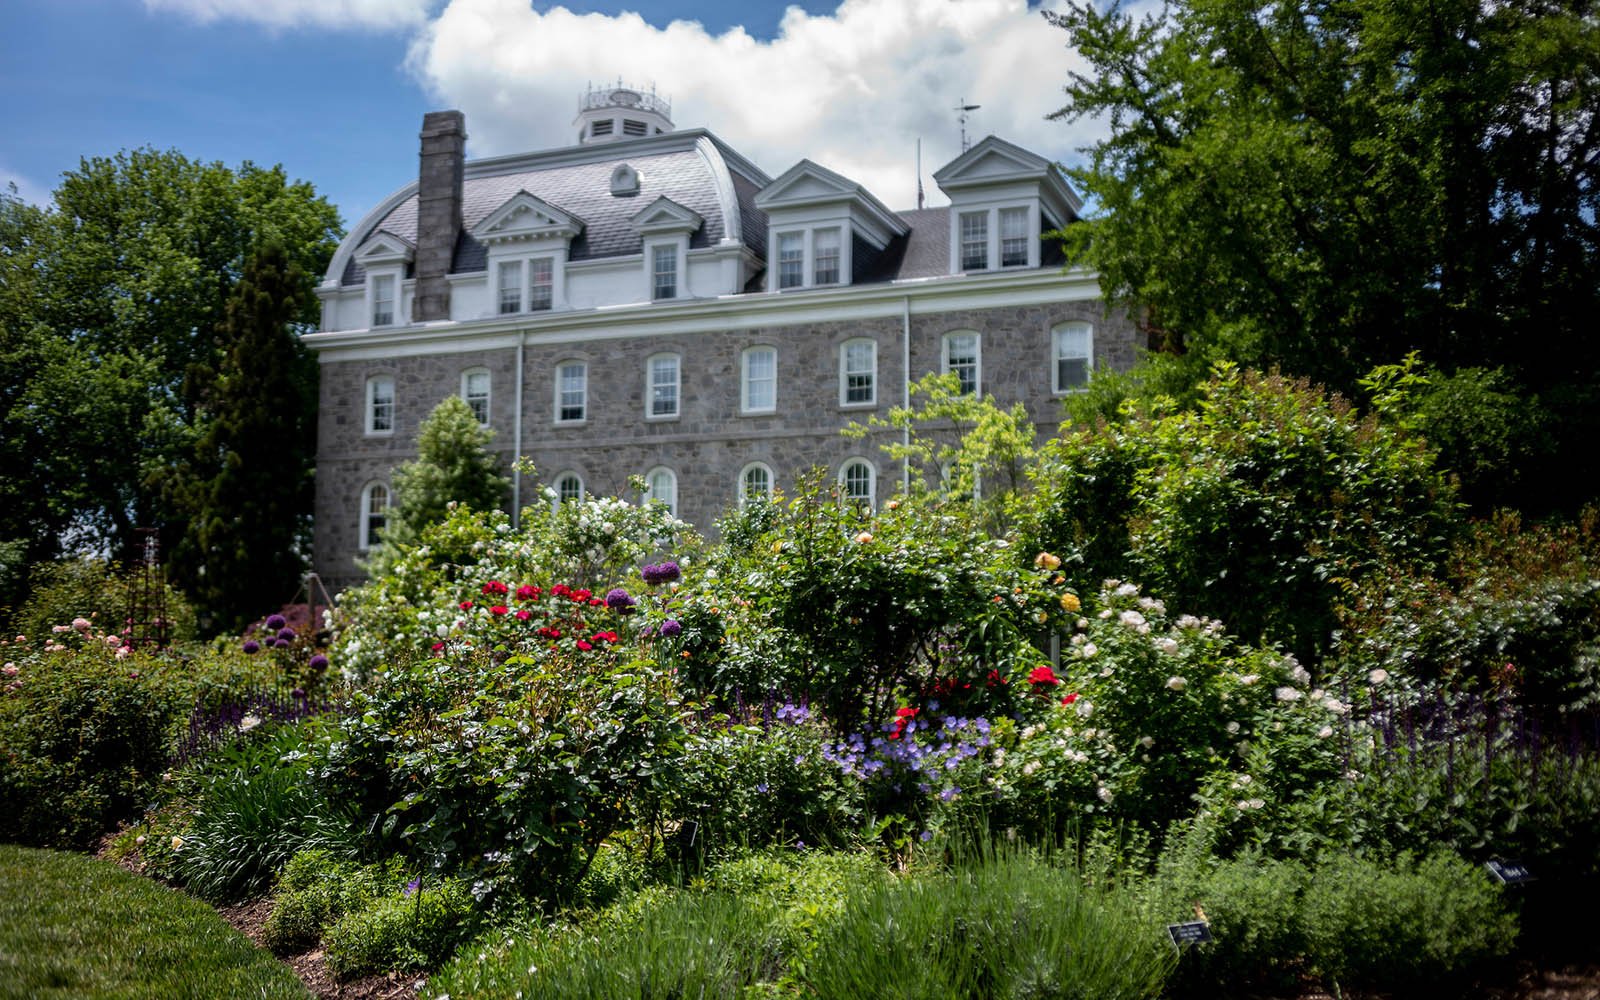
(335,89)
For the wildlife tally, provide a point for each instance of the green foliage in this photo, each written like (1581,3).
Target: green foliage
(75,926)
(1004,927)
(316,889)
(251,510)
(1325,188)
(401,932)
(114,339)
(1260,507)
(86,588)
(254,807)
(453,467)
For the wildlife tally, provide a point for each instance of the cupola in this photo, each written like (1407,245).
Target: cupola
(606,114)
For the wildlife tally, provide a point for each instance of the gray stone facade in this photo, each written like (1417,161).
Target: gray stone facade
(709,442)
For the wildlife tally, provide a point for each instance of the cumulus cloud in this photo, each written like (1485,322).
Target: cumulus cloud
(24,187)
(852,91)
(363,14)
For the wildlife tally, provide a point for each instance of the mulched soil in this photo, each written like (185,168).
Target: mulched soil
(312,966)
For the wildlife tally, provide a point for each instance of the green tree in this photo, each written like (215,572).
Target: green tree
(1327,185)
(250,514)
(453,465)
(114,311)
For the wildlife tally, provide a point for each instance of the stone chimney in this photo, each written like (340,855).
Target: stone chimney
(444,142)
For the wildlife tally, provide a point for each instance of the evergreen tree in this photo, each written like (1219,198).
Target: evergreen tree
(454,465)
(251,510)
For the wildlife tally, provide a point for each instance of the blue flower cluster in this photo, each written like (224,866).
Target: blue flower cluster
(793,714)
(914,754)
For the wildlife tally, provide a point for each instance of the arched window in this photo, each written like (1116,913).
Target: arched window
(661,483)
(374,514)
(755,483)
(859,480)
(569,489)
(1071,356)
(475,390)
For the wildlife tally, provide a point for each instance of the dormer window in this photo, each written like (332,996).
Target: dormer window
(825,257)
(974,241)
(791,260)
(1014,237)
(664,271)
(383,297)
(1001,198)
(527,240)
(664,229)
(511,287)
(817,221)
(541,283)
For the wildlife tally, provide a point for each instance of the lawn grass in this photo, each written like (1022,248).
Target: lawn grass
(71,926)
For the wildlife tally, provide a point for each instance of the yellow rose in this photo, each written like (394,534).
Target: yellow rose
(864,537)
(1069,602)
(1046,560)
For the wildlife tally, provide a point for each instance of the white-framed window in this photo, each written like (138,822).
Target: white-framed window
(974,241)
(572,392)
(475,390)
(758,380)
(541,283)
(1071,356)
(383,299)
(661,483)
(755,483)
(791,260)
(858,373)
(374,515)
(661,388)
(858,481)
(825,257)
(961,356)
(380,404)
(510,287)
(664,271)
(568,488)
(1014,237)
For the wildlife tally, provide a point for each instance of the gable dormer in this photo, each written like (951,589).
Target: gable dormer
(815,218)
(385,256)
(1002,198)
(664,227)
(385,249)
(528,240)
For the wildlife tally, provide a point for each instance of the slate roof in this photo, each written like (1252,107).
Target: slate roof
(584,190)
(927,252)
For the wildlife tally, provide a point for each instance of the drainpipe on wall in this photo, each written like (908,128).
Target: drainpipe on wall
(905,391)
(516,440)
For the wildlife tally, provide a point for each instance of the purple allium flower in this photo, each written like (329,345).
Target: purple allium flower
(671,627)
(319,662)
(281,643)
(286,634)
(669,571)
(251,647)
(618,600)
(275,622)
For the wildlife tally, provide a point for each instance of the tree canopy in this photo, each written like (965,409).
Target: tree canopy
(1328,185)
(112,331)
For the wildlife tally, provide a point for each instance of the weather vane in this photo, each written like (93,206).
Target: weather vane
(962,110)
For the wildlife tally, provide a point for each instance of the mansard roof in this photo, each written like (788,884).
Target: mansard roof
(693,168)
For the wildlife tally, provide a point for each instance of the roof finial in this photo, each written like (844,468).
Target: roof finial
(961,110)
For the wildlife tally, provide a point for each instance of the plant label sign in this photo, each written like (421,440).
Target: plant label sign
(1509,872)
(1193,932)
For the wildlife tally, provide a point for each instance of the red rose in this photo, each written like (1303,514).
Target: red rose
(466,605)
(1069,699)
(499,609)
(1043,676)
(524,614)
(527,592)
(584,645)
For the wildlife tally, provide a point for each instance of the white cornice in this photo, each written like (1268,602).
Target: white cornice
(732,312)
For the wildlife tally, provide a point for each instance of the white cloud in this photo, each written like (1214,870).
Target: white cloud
(27,189)
(369,14)
(852,91)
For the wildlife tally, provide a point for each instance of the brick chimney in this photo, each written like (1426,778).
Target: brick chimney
(444,142)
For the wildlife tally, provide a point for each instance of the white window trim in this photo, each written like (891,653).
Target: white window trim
(488,395)
(808,254)
(649,386)
(556,411)
(844,387)
(1055,356)
(525,256)
(872,481)
(364,525)
(744,380)
(681,245)
(649,490)
(977,357)
(500,268)
(992,234)
(555,486)
(367,406)
(743,497)
(401,314)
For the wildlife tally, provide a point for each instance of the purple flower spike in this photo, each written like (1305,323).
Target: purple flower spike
(251,647)
(275,622)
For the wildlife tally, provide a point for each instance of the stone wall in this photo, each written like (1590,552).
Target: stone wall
(710,441)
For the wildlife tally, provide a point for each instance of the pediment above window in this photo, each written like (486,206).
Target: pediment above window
(665,216)
(807,193)
(993,163)
(526,217)
(384,249)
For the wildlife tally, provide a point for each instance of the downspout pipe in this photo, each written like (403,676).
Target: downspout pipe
(905,391)
(516,439)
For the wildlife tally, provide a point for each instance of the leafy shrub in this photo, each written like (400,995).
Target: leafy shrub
(1005,927)
(1258,507)
(255,806)
(401,932)
(1253,906)
(316,889)
(98,591)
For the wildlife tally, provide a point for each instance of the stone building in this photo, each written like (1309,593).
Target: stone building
(648,301)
